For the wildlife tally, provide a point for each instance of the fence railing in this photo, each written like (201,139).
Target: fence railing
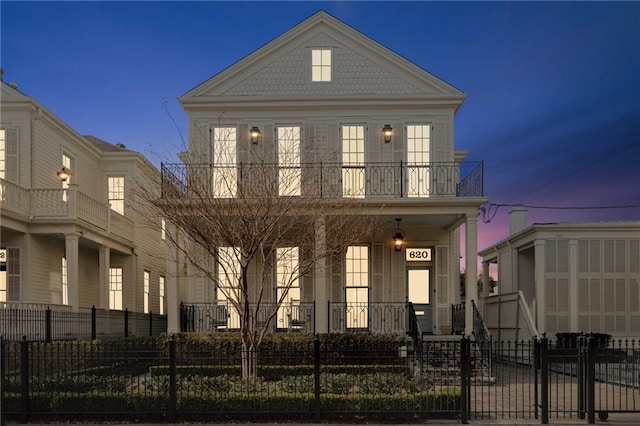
(373,317)
(368,180)
(224,316)
(58,322)
(319,378)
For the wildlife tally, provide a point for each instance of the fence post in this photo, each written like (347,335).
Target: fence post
(126,322)
(591,379)
(465,362)
(316,376)
(173,398)
(581,373)
(93,322)
(544,378)
(47,325)
(24,379)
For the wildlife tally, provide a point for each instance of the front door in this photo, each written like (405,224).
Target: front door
(419,294)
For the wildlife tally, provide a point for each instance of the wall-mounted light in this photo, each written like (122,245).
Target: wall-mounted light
(64,174)
(255,134)
(398,237)
(387,133)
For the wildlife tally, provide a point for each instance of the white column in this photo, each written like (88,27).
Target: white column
(171,284)
(103,279)
(72,255)
(320,277)
(540,284)
(471,271)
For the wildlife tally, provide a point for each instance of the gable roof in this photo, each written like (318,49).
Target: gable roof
(105,146)
(277,69)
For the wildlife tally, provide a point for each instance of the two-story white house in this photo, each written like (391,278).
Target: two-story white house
(71,236)
(323,98)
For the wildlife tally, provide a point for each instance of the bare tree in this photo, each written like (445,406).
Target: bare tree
(258,221)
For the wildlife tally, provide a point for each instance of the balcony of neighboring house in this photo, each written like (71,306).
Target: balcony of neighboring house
(325,180)
(63,205)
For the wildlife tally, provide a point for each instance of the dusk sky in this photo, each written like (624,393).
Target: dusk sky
(553,89)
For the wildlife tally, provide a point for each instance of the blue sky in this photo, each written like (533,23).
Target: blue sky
(553,88)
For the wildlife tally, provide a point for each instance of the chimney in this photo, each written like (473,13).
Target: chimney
(517,219)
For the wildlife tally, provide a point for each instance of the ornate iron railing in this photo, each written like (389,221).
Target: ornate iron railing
(223,316)
(326,180)
(382,318)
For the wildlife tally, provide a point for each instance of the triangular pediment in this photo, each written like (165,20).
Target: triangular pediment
(361,67)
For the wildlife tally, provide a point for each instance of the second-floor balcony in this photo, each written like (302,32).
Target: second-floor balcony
(44,204)
(324,180)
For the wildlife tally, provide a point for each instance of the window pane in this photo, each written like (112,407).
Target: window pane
(225,173)
(418,158)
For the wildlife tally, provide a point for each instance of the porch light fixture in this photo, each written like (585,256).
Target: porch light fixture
(387,132)
(64,174)
(255,135)
(398,237)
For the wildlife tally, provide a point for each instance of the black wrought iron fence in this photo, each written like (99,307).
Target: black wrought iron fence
(337,376)
(47,323)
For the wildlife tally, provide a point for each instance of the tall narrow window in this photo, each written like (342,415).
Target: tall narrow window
(66,163)
(115,288)
(2,153)
(418,167)
(321,65)
(353,171)
(13,274)
(9,155)
(161,294)
(289,160)
(357,287)
(146,291)
(116,193)
(225,167)
(65,287)
(288,286)
(163,229)
(228,292)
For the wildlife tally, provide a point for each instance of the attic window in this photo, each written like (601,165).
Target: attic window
(321,65)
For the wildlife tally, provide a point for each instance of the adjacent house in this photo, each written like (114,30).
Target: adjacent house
(564,277)
(72,234)
(336,116)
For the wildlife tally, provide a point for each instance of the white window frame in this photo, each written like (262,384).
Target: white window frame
(67,162)
(161,293)
(321,65)
(289,172)
(224,153)
(228,276)
(163,229)
(115,287)
(64,290)
(287,281)
(357,278)
(3,152)
(116,193)
(146,283)
(353,140)
(418,173)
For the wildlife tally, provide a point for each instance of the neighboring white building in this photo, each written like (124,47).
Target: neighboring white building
(572,277)
(338,92)
(76,240)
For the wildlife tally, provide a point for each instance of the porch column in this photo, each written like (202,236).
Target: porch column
(103,271)
(72,255)
(171,283)
(320,277)
(540,285)
(471,271)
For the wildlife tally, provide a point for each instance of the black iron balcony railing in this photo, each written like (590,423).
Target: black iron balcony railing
(380,318)
(327,180)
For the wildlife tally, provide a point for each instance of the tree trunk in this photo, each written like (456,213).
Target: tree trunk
(249,360)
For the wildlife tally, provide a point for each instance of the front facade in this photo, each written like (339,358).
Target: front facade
(347,119)
(72,236)
(573,277)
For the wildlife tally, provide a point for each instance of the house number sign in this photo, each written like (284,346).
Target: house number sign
(418,254)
